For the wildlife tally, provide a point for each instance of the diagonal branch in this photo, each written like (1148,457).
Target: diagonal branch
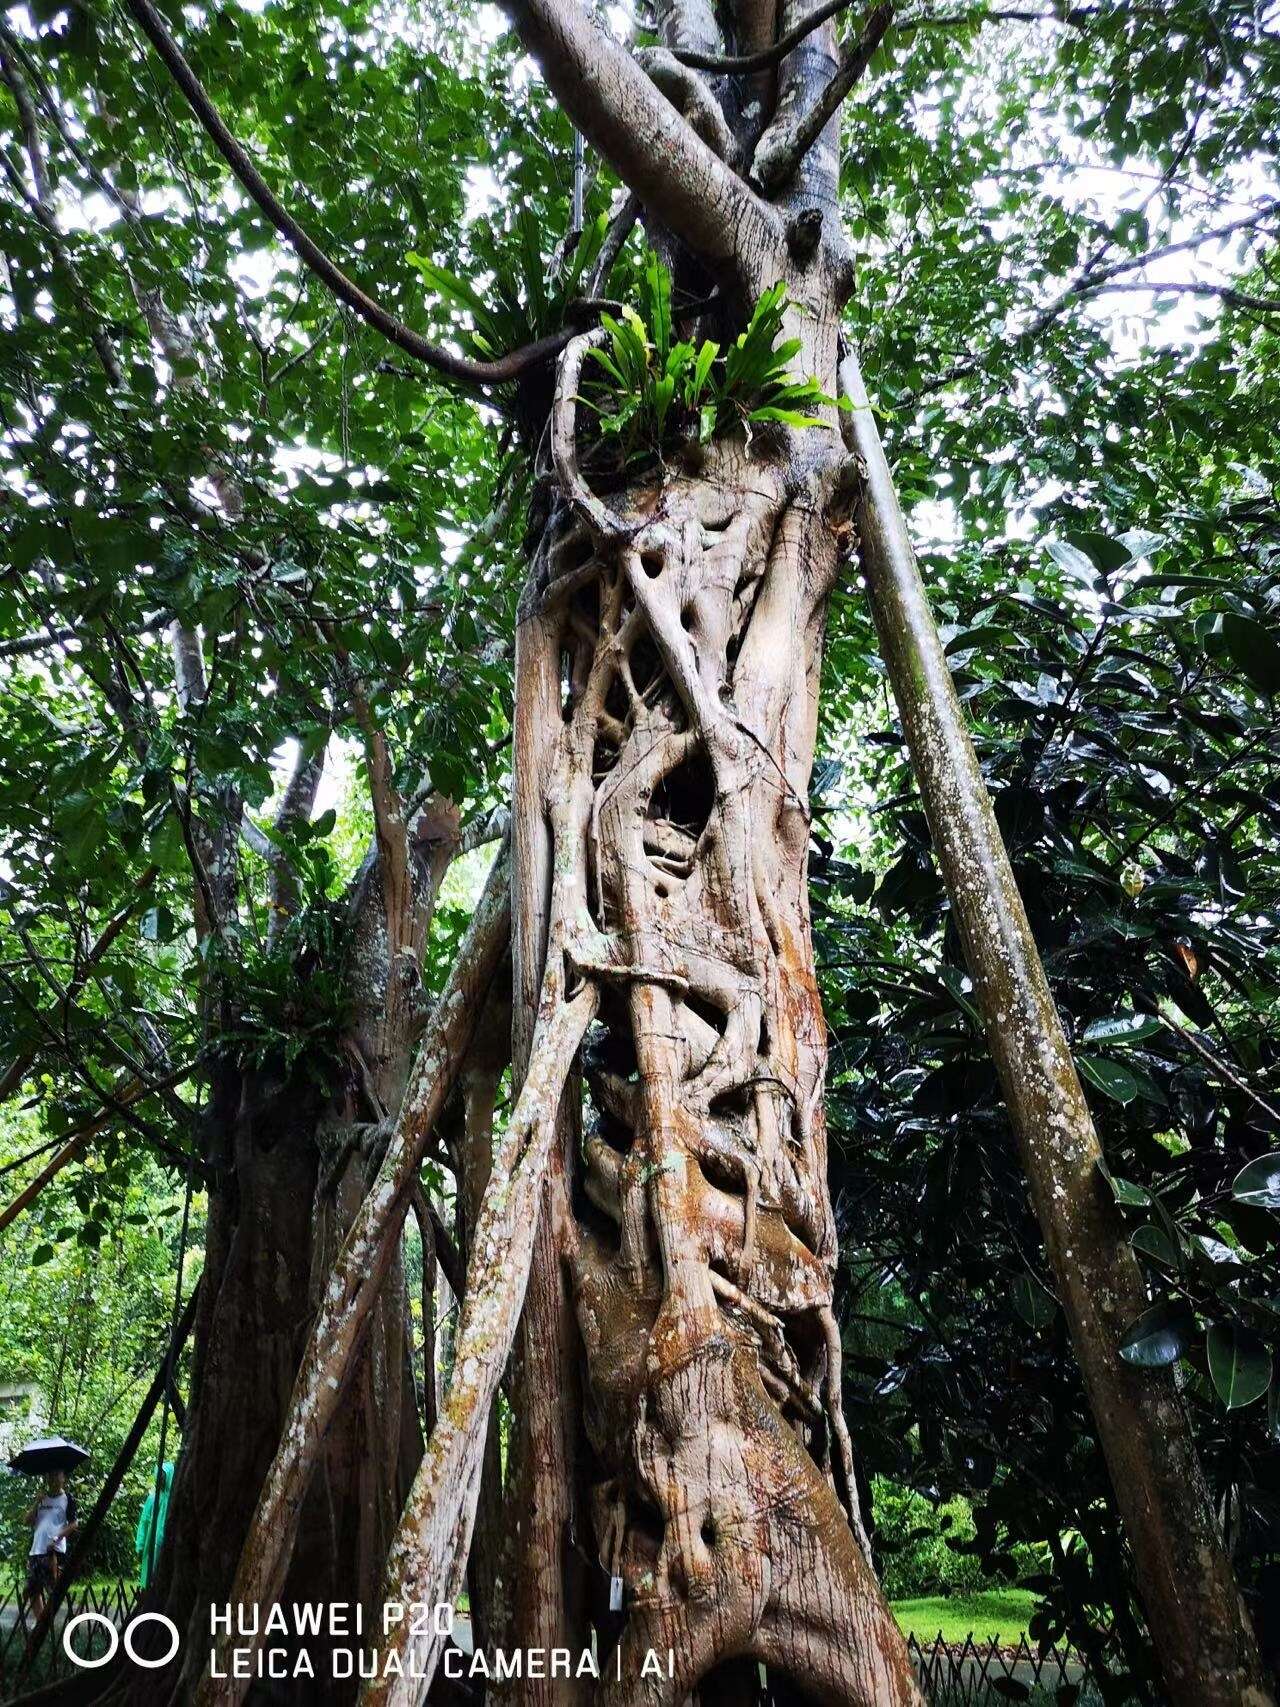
(1227,294)
(40,202)
(295,808)
(427,1561)
(1107,280)
(766,57)
(458,368)
(781,150)
(115,1103)
(1093,279)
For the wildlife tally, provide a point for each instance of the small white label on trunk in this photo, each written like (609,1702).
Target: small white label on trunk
(615,1594)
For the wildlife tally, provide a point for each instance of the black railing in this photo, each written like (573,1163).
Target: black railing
(980,1674)
(115,1601)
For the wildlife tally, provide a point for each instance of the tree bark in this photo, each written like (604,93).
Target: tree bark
(701,1242)
(331,1345)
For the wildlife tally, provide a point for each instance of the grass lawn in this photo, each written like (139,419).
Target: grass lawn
(1001,1612)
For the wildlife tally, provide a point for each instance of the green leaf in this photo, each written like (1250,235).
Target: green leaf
(1072,561)
(1258,1182)
(657,298)
(1153,1241)
(1125,1191)
(701,368)
(1034,1304)
(788,417)
(1255,650)
(955,981)
(1239,1364)
(1109,1077)
(1122,1028)
(1159,1337)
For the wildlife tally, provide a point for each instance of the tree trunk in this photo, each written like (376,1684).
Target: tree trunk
(267,1243)
(697,1225)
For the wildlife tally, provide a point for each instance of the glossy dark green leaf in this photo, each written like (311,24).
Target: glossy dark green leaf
(1121,1028)
(1159,1336)
(1110,1077)
(1255,649)
(1239,1364)
(1258,1182)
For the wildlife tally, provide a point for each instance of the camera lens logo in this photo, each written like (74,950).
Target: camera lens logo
(114,1639)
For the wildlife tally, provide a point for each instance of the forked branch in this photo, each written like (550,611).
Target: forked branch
(651,146)
(781,150)
(766,57)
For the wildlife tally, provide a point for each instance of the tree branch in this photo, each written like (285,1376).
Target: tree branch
(42,207)
(19,51)
(652,148)
(13,1075)
(458,368)
(295,808)
(430,1262)
(691,97)
(781,150)
(620,228)
(429,1552)
(388,822)
(1107,281)
(117,1101)
(1191,287)
(766,57)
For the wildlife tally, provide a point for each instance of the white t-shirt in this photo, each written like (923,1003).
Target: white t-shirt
(54,1512)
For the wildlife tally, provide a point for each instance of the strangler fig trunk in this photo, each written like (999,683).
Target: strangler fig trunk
(695,1220)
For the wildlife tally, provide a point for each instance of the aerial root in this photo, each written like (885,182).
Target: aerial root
(427,1561)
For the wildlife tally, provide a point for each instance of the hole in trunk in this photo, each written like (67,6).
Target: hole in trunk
(573,552)
(685,796)
(646,1525)
(566,683)
(646,665)
(732,1105)
(733,1683)
(604,756)
(616,702)
(707,1012)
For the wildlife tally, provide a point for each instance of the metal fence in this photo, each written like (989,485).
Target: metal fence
(980,1674)
(115,1601)
(969,1674)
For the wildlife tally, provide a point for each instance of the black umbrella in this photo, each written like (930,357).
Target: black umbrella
(43,1456)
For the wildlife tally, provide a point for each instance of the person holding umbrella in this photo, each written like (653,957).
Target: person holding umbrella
(53,1517)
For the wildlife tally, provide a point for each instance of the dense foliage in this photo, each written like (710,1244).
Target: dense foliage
(1121,684)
